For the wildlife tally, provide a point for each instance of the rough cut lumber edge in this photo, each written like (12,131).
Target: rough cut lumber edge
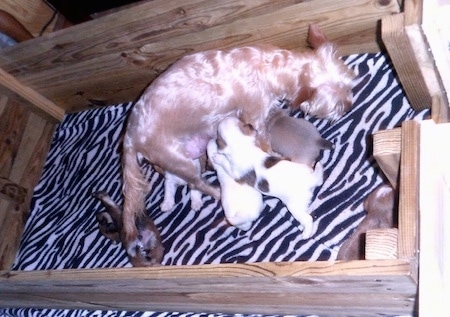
(435,220)
(41,103)
(386,151)
(361,288)
(381,244)
(403,57)
(408,214)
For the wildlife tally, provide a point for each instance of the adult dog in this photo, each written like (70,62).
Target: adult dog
(172,122)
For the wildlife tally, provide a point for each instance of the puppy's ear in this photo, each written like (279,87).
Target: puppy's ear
(316,37)
(247,128)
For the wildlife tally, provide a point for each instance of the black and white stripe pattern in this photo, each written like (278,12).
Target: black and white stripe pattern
(62,233)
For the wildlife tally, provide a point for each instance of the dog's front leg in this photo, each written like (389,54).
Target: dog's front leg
(298,208)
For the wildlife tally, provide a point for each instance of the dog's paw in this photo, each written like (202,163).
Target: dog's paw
(107,226)
(167,204)
(196,200)
(308,227)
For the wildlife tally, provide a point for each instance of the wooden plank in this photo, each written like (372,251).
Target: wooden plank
(435,221)
(76,67)
(402,54)
(362,288)
(26,171)
(12,124)
(42,104)
(408,214)
(386,151)
(24,142)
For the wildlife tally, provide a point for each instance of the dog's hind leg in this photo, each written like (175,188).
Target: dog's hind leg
(189,170)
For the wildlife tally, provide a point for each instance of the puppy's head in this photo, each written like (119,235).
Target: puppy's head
(326,82)
(232,131)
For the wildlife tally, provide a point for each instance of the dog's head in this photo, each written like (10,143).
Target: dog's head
(233,132)
(326,82)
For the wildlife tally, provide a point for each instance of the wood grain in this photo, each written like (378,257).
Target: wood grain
(40,102)
(77,68)
(363,288)
(386,150)
(402,54)
(381,244)
(12,191)
(408,214)
(24,143)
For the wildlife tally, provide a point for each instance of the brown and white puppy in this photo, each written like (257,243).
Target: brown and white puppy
(242,204)
(380,206)
(295,138)
(172,122)
(110,225)
(293,183)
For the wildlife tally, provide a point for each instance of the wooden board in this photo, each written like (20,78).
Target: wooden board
(24,142)
(360,288)
(408,214)
(111,59)
(435,220)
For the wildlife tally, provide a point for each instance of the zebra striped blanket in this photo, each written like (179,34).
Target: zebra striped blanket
(62,233)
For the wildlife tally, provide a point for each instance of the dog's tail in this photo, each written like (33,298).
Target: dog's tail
(134,190)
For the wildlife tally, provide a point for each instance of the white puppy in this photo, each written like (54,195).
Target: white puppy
(293,183)
(242,204)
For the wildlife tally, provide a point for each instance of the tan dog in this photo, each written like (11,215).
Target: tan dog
(172,122)
(295,138)
(293,183)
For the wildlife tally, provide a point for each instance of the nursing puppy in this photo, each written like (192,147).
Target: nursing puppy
(242,204)
(295,138)
(293,183)
(110,225)
(172,122)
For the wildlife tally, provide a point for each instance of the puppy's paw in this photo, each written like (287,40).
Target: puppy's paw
(167,204)
(308,227)
(196,200)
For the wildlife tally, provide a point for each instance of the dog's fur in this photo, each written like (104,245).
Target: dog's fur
(295,138)
(293,183)
(380,206)
(110,225)
(172,122)
(242,204)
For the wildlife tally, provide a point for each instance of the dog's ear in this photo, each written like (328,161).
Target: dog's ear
(316,37)
(304,94)
(247,128)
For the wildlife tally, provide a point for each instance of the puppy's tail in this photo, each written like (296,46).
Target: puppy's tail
(134,191)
